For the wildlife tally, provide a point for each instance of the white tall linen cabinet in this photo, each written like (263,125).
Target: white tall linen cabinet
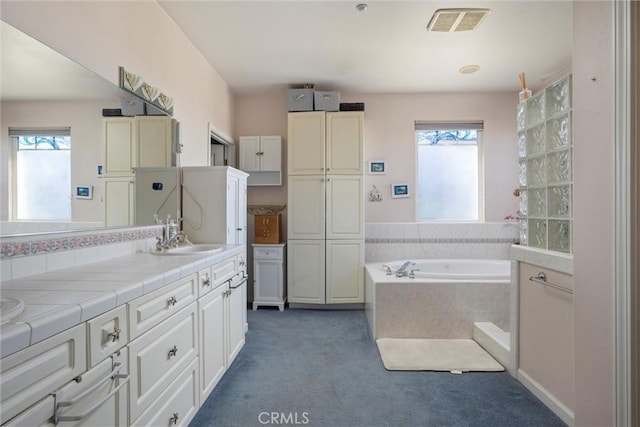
(325,259)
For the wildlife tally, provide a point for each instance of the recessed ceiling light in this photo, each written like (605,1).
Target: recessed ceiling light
(469,69)
(456,19)
(362,7)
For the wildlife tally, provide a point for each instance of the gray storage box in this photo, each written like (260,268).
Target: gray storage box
(326,101)
(131,106)
(300,99)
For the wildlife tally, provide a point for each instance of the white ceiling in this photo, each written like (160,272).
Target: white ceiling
(267,44)
(257,45)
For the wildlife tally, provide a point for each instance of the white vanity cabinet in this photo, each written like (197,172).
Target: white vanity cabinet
(261,157)
(151,361)
(157,357)
(32,373)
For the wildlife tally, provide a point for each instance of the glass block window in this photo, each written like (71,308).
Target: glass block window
(42,174)
(449,171)
(545,168)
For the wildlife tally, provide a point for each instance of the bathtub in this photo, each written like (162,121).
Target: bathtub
(444,299)
(456,269)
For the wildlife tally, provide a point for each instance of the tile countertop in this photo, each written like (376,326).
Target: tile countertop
(61,299)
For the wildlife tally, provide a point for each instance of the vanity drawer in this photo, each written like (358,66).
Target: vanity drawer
(106,334)
(149,310)
(178,404)
(223,270)
(32,373)
(158,356)
(268,252)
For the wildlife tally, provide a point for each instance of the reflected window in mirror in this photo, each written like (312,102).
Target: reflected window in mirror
(42,174)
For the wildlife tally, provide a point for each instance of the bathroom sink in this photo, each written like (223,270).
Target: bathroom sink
(197,249)
(10,308)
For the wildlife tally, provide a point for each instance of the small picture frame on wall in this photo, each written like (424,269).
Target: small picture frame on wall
(399,190)
(377,167)
(84,192)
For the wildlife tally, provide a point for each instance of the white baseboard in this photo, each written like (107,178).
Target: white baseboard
(547,398)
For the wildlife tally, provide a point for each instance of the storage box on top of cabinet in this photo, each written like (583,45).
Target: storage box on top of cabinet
(300,99)
(267,228)
(326,101)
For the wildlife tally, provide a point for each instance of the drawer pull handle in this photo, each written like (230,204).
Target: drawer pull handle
(115,335)
(173,351)
(114,374)
(174,418)
(172,301)
(241,262)
(206,282)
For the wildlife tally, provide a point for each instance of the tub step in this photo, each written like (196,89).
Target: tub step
(494,340)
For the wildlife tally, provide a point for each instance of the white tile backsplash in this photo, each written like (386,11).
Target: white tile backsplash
(398,241)
(27,266)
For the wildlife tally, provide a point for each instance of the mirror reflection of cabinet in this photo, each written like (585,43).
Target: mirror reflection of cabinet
(131,142)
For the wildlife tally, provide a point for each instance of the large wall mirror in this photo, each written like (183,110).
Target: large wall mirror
(43,91)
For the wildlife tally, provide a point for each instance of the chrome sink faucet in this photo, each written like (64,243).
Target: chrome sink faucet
(173,237)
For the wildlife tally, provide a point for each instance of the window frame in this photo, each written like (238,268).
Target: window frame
(14,134)
(453,125)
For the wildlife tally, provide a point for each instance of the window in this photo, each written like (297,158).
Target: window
(449,171)
(42,174)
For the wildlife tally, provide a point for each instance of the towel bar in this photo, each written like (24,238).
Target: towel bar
(541,279)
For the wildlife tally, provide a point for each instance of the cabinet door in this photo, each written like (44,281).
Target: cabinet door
(213,349)
(306,271)
(306,145)
(345,271)
(178,403)
(249,153)
(118,196)
(233,221)
(154,141)
(237,305)
(241,213)
(119,146)
(158,356)
(30,374)
(306,207)
(345,207)
(268,281)
(345,143)
(270,157)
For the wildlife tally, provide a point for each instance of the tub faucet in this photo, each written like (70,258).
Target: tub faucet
(402,271)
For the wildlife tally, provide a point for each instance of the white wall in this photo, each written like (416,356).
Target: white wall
(593,207)
(389,135)
(141,37)
(85,120)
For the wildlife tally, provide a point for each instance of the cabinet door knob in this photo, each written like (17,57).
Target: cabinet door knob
(206,282)
(173,351)
(173,419)
(172,301)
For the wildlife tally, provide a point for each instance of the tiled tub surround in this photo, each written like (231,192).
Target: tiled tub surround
(31,254)
(58,300)
(401,307)
(395,241)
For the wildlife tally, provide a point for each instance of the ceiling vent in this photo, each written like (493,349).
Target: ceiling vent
(457,19)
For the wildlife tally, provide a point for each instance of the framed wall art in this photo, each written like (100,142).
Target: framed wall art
(377,167)
(399,190)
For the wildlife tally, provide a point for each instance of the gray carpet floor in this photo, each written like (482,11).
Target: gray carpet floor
(322,368)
